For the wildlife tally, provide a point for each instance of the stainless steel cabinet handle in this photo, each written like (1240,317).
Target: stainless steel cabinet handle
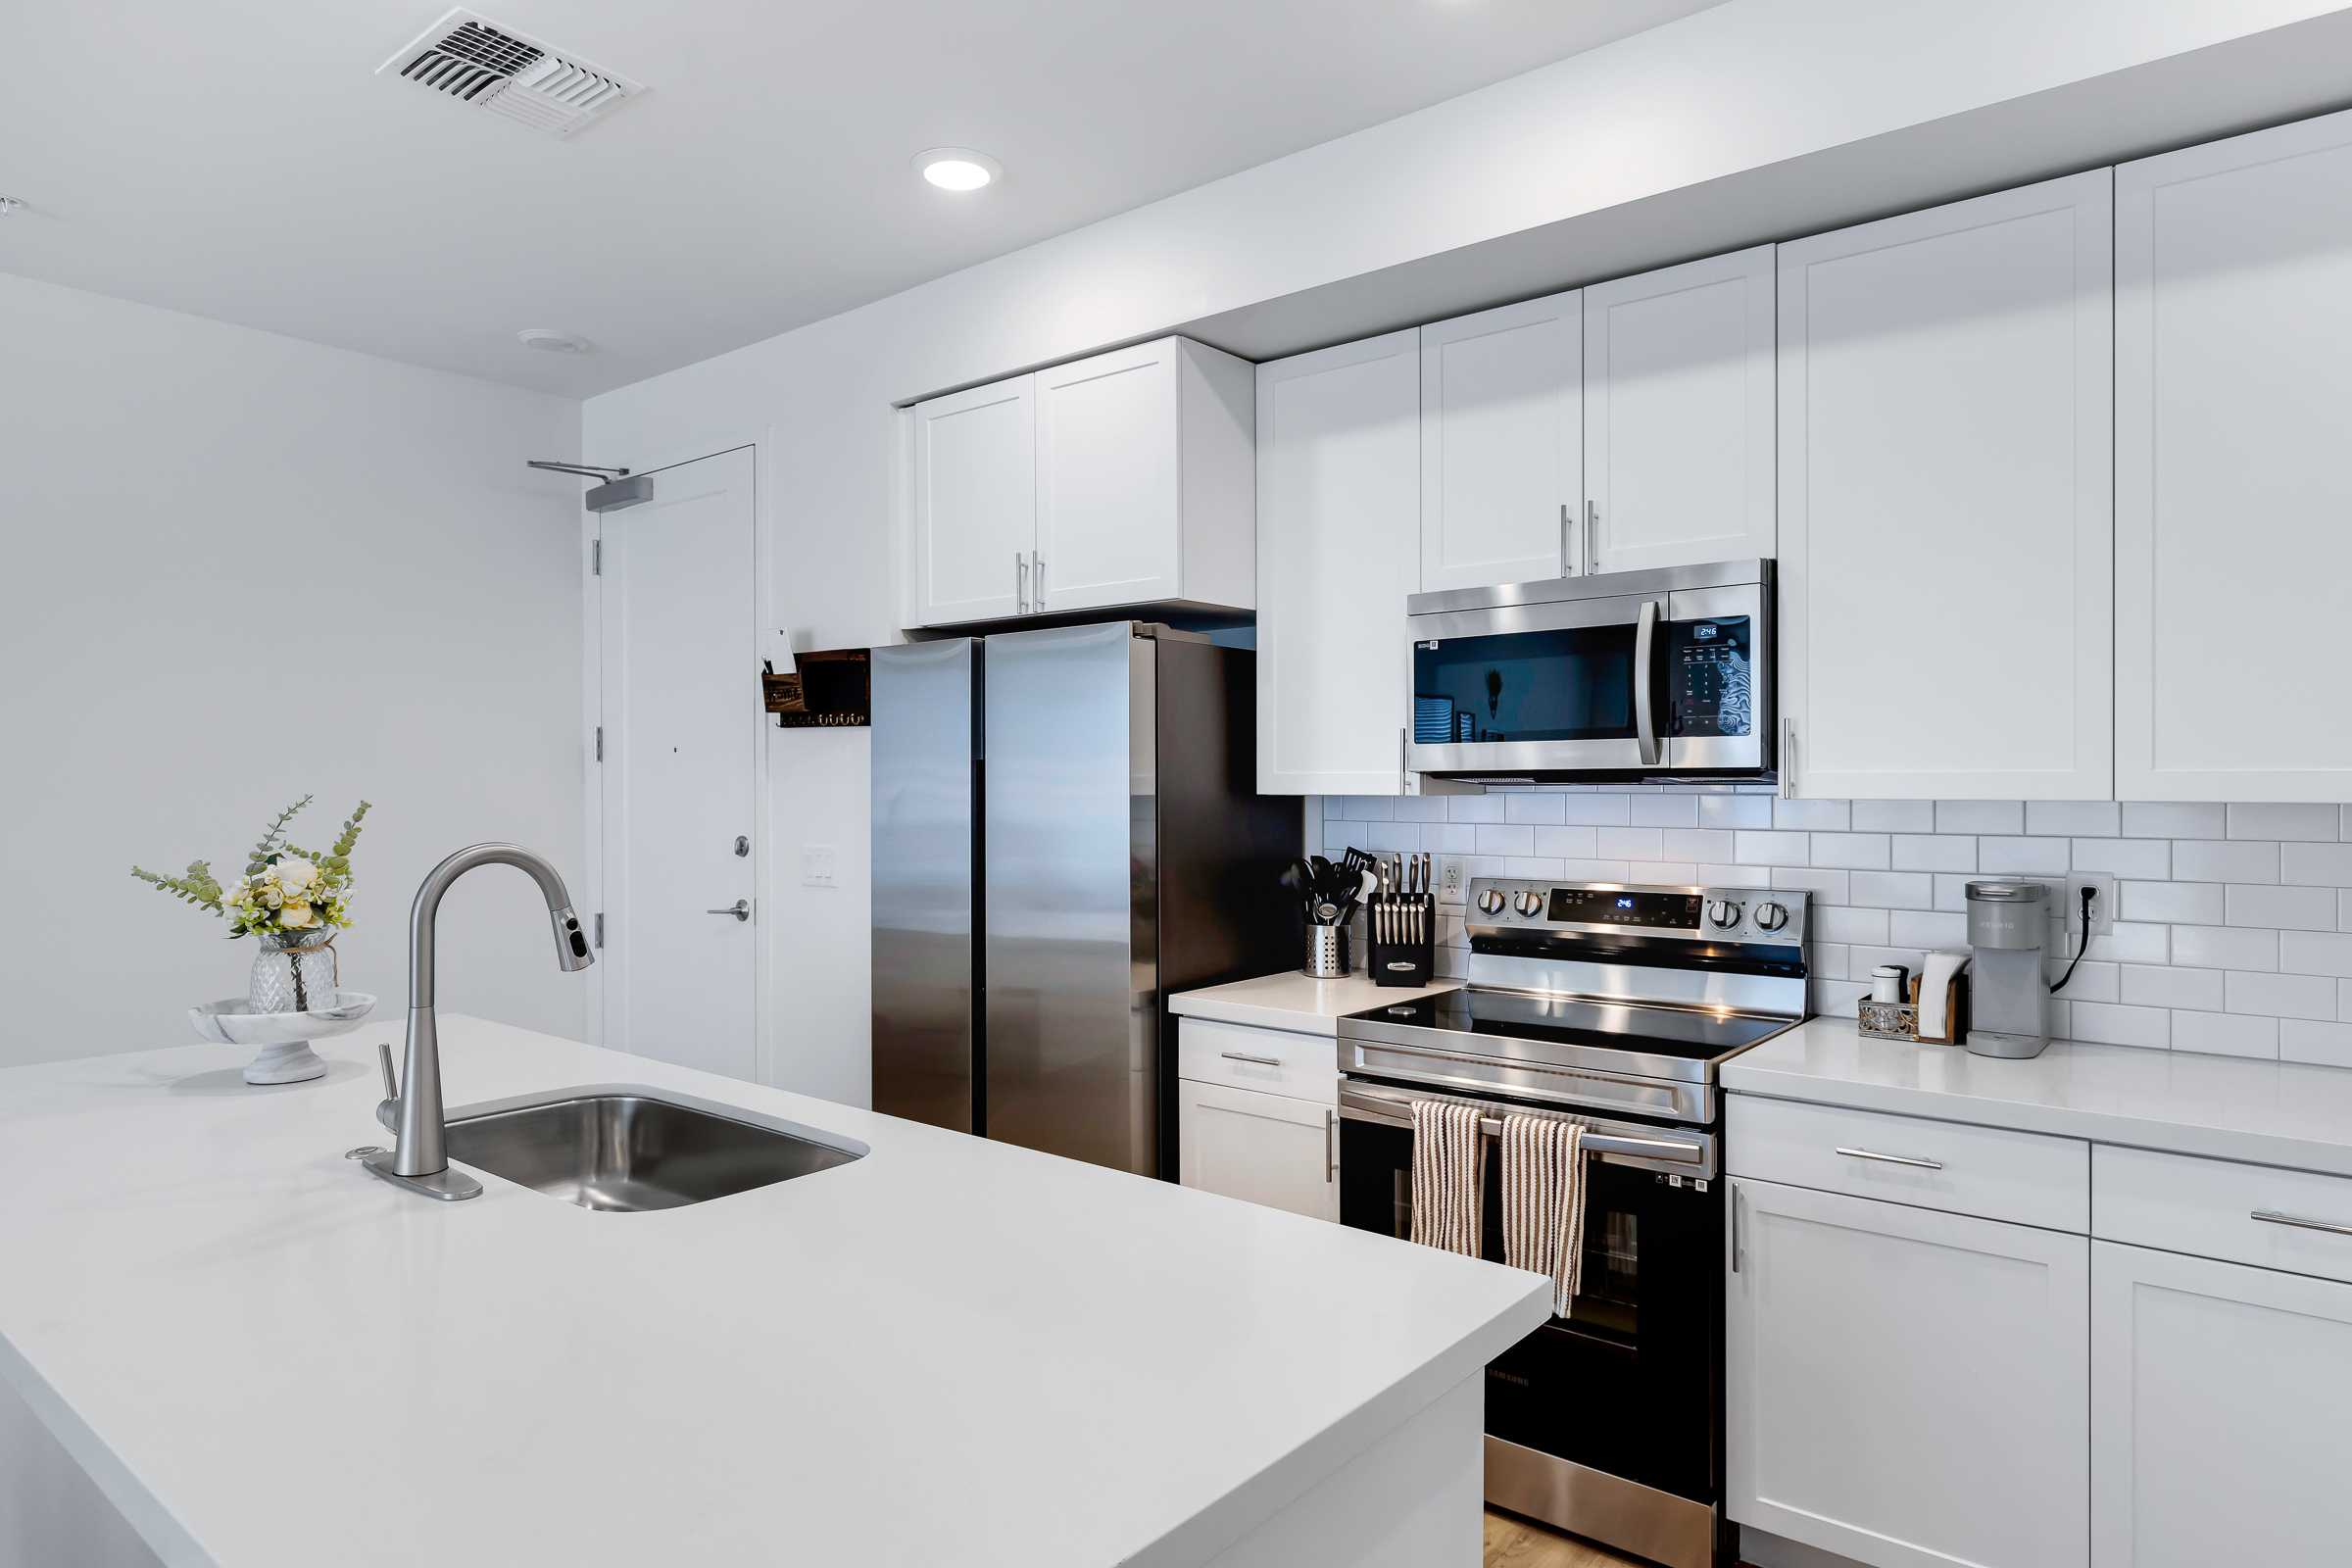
(1021,582)
(1592,536)
(1739,1207)
(1568,561)
(1787,759)
(1645,717)
(2273,1217)
(741,909)
(1243,1056)
(1891,1160)
(1037,576)
(1331,1159)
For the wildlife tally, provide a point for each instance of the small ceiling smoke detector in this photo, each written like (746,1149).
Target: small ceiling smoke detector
(9,204)
(547,340)
(476,62)
(958,167)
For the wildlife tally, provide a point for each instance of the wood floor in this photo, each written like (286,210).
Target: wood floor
(1515,1543)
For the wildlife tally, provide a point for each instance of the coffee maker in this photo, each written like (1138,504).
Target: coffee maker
(2008,924)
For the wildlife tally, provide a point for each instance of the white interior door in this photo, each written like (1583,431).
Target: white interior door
(681,732)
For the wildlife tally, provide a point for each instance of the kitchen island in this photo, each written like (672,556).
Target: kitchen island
(223,1342)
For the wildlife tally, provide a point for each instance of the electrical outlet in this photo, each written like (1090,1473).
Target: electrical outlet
(1449,879)
(2102,908)
(817,865)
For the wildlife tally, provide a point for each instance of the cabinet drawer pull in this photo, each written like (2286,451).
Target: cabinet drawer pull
(1331,1157)
(1893,1159)
(1258,1062)
(2273,1217)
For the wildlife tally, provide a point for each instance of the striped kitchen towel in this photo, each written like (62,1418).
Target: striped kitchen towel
(1544,1201)
(1449,1177)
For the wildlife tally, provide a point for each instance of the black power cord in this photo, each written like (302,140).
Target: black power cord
(2089,897)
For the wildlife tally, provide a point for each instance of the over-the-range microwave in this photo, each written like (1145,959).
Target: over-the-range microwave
(1620,675)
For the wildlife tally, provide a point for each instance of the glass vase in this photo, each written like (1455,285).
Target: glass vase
(294,971)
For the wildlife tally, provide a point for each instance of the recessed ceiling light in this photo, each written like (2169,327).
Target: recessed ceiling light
(958,167)
(547,341)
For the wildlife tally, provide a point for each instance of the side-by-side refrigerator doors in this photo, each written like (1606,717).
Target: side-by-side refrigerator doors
(926,911)
(1070,901)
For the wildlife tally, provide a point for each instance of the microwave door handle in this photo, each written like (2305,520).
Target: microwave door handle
(1646,684)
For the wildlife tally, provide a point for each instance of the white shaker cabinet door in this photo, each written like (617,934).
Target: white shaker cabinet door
(975,501)
(1677,415)
(1945,518)
(2233,499)
(1339,462)
(1907,1387)
(1108,529)
(1502,446)
(1266,1149)
(2219,1395)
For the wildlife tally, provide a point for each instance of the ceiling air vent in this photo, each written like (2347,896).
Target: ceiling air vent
(477,62)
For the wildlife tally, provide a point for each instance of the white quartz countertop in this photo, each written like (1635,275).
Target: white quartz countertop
(1294,1002)
(2228,1107)
(947,1352)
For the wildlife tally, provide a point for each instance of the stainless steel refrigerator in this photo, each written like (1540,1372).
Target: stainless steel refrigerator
(1066,829)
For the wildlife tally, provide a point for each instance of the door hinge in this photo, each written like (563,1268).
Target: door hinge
(596,557)
(600,928)
(600,742)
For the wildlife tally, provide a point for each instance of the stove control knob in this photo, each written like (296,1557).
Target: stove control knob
(1530,902)
(1770,917)
(1490,901)
(1723,913)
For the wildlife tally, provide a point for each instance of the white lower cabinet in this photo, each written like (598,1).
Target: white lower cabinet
(1904,1387)
(2219,1400)
(1266,1149)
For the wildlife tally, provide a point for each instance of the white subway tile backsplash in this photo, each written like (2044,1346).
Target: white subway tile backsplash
(1893,889)
(1827,887)
(1630,844)
(1805,816)
(1675,873)
(1420,808)
(1855,852)
(2343,910)
(2281,909)
(2344,1000)
(1773,849)
(1980,816)
(2126,942)
(2162,820)
(1505,838)
(1474,808)
(2074,818)
(2111,1024)
(1596,871)
(1865,958)
(1536,808)
(1835,998)
(2213,946)
(1895,817)
(1578,843)
(1735,877)
(2315,865)
(1735,811)
(2253,821)
(1393,837)
(2315,953)
(2154,985)
(2329,1045)
(2020,856)
(2214,860)
(1828,960)
(1919,928)
(1699,842)
(2225,1034)
(2092,982)
(2282,996)
(1665,811)
(2182,903)
(1920,851)
(1450,838)
(1837,923)
(1602,810)
(1951,891)
(2149,860)
(1367,808)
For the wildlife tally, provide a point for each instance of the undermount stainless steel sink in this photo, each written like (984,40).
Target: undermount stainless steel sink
(628,1150)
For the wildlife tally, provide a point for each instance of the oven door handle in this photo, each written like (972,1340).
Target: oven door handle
(1645,685)
(1356,1105)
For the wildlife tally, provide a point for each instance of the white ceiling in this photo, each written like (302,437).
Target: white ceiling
(240,160)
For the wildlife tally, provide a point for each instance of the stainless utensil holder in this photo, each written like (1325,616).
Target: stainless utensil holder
(1326,953)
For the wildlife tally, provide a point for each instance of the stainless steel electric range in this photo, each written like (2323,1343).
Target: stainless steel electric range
(1613,1006)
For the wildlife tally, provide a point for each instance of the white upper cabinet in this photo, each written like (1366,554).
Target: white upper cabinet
(975,501)
(1678,390)
(1125,478)
(2233,499)
(1945,519)
(1339,531)
(1502,443)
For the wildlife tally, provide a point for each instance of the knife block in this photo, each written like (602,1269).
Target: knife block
(1404,963)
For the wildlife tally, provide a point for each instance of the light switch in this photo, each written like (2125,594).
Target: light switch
(817,865)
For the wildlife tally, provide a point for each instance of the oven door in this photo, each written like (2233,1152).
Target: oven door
(1536,688)
(1627,1382)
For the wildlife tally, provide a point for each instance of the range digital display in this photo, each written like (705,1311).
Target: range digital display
(1589,906)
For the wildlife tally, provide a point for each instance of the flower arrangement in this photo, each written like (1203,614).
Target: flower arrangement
(284,890)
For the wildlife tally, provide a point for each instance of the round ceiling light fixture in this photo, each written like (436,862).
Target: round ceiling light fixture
(547,340)
(958,168)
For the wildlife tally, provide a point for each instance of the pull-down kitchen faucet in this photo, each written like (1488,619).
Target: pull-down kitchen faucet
(421,1160)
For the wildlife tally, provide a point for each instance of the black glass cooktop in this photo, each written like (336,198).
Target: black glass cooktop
(1689,1034)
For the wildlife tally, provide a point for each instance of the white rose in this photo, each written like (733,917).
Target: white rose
(294,916)
(294,874)
(232,894)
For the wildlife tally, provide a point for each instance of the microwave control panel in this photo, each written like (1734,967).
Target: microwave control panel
(1709,675)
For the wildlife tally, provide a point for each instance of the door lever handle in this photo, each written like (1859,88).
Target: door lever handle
(741,909)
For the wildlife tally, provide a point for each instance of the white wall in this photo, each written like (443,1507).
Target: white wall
(1748,87)
(240,568)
